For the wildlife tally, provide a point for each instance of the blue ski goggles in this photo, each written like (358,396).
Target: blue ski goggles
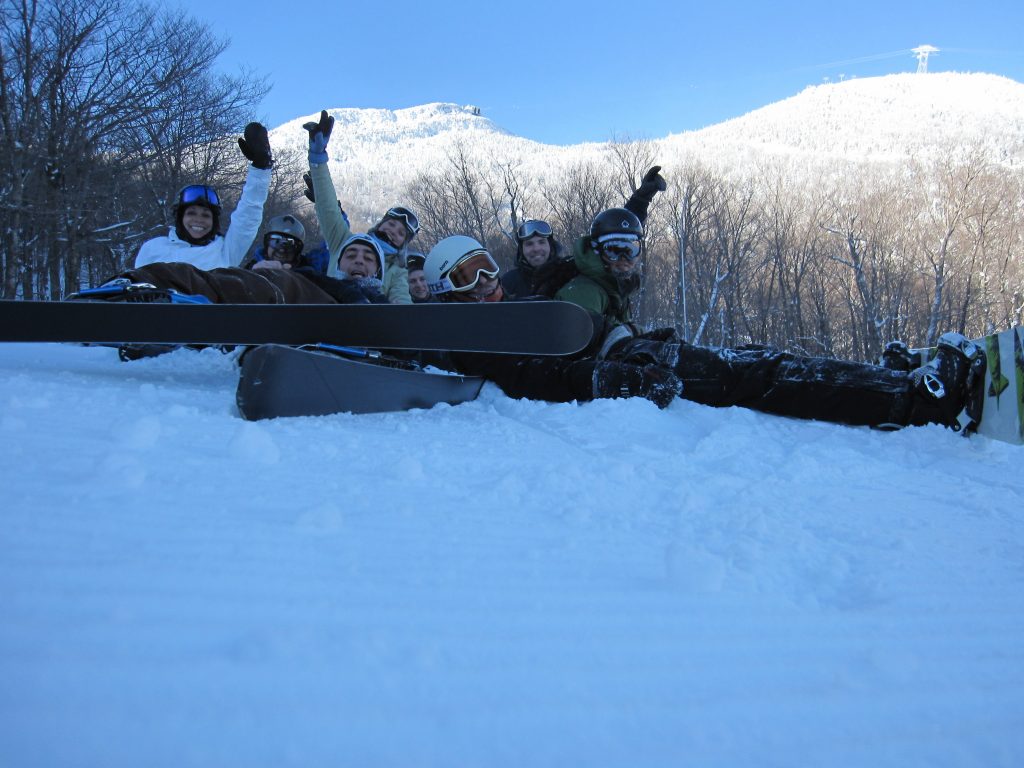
(198,193)
(405,216)
(620,248)
(532,227)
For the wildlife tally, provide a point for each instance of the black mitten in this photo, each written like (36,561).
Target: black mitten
(255,145)
(309,188)
(659,385)
(651,184)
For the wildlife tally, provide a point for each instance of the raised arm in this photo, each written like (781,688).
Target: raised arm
(333,226)
(248,214)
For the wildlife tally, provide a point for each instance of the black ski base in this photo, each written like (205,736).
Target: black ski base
(281,381)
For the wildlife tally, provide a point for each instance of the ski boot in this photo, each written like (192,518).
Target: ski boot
(953,381)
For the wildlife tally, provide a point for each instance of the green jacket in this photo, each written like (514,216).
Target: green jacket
(595,289)
(336,231)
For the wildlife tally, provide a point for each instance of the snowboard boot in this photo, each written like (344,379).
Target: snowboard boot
(897,357)
(952,382)
(123,289)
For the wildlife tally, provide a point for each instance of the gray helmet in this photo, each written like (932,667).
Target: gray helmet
(287,225)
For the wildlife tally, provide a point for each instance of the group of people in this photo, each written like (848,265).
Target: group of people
(601,271)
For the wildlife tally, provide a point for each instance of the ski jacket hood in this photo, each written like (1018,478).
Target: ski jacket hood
(595,289)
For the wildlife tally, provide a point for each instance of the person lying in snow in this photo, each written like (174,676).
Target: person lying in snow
(622,362)
(361,265)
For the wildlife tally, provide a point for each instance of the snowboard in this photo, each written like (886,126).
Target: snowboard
(1002,414)
(278,381)
(522,328)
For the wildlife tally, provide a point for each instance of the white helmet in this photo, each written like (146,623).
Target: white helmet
(453,252)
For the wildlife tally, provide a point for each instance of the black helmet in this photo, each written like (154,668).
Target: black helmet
(198,194)
(615,224)
(414,261)
(201,195)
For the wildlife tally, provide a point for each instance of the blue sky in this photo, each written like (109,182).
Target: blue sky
(564,73)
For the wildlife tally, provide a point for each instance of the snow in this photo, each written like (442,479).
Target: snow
(500,583)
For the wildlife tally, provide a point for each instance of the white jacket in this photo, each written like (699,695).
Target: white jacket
(226,250)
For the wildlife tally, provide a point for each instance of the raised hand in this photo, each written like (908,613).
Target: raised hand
(319,135)
(255,145)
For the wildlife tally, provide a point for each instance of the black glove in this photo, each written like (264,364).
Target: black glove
(652,183)
(667,334)
(659,385)
(309,188)
(319,135)
(255,145)
(640,201)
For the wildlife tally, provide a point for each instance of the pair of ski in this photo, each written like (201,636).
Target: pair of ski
(295,366)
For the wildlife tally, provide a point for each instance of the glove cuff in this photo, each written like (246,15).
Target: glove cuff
(616,336)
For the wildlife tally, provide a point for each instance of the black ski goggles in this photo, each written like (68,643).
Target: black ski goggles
(532,227)
(614,250)
(198,193)
(281,243)
(405,216)
(465,275)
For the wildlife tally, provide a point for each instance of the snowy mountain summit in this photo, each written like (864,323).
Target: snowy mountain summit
(375,153)
(884,118)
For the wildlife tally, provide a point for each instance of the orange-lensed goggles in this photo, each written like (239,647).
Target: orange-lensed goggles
(466,274)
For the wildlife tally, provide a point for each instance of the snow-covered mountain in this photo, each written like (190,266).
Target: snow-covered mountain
(881,119)
(376,152)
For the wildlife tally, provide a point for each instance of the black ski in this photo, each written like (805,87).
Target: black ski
(280,381)
(527,328)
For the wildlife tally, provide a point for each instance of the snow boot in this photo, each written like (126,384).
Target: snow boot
(952,382)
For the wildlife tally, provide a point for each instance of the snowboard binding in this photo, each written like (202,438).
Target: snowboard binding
(953,380)
(123,289)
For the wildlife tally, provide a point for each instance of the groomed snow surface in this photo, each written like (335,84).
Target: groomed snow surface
(501,583)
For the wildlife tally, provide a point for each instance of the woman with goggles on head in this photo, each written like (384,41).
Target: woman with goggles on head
(393,232)
(541,266)
(195,237)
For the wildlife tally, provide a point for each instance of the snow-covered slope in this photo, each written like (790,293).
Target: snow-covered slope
(376,152)
(882,118)
(501,583)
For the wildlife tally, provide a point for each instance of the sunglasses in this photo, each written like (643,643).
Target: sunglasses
(199,193)
(405,216)
(281,242)
(613,250)
(533,227)
(465,275)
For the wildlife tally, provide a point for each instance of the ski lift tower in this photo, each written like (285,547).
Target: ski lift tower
(922,52)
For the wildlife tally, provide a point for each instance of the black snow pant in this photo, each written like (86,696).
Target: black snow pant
(824,389)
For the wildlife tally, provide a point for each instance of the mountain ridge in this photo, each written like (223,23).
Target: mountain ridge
(376,153)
